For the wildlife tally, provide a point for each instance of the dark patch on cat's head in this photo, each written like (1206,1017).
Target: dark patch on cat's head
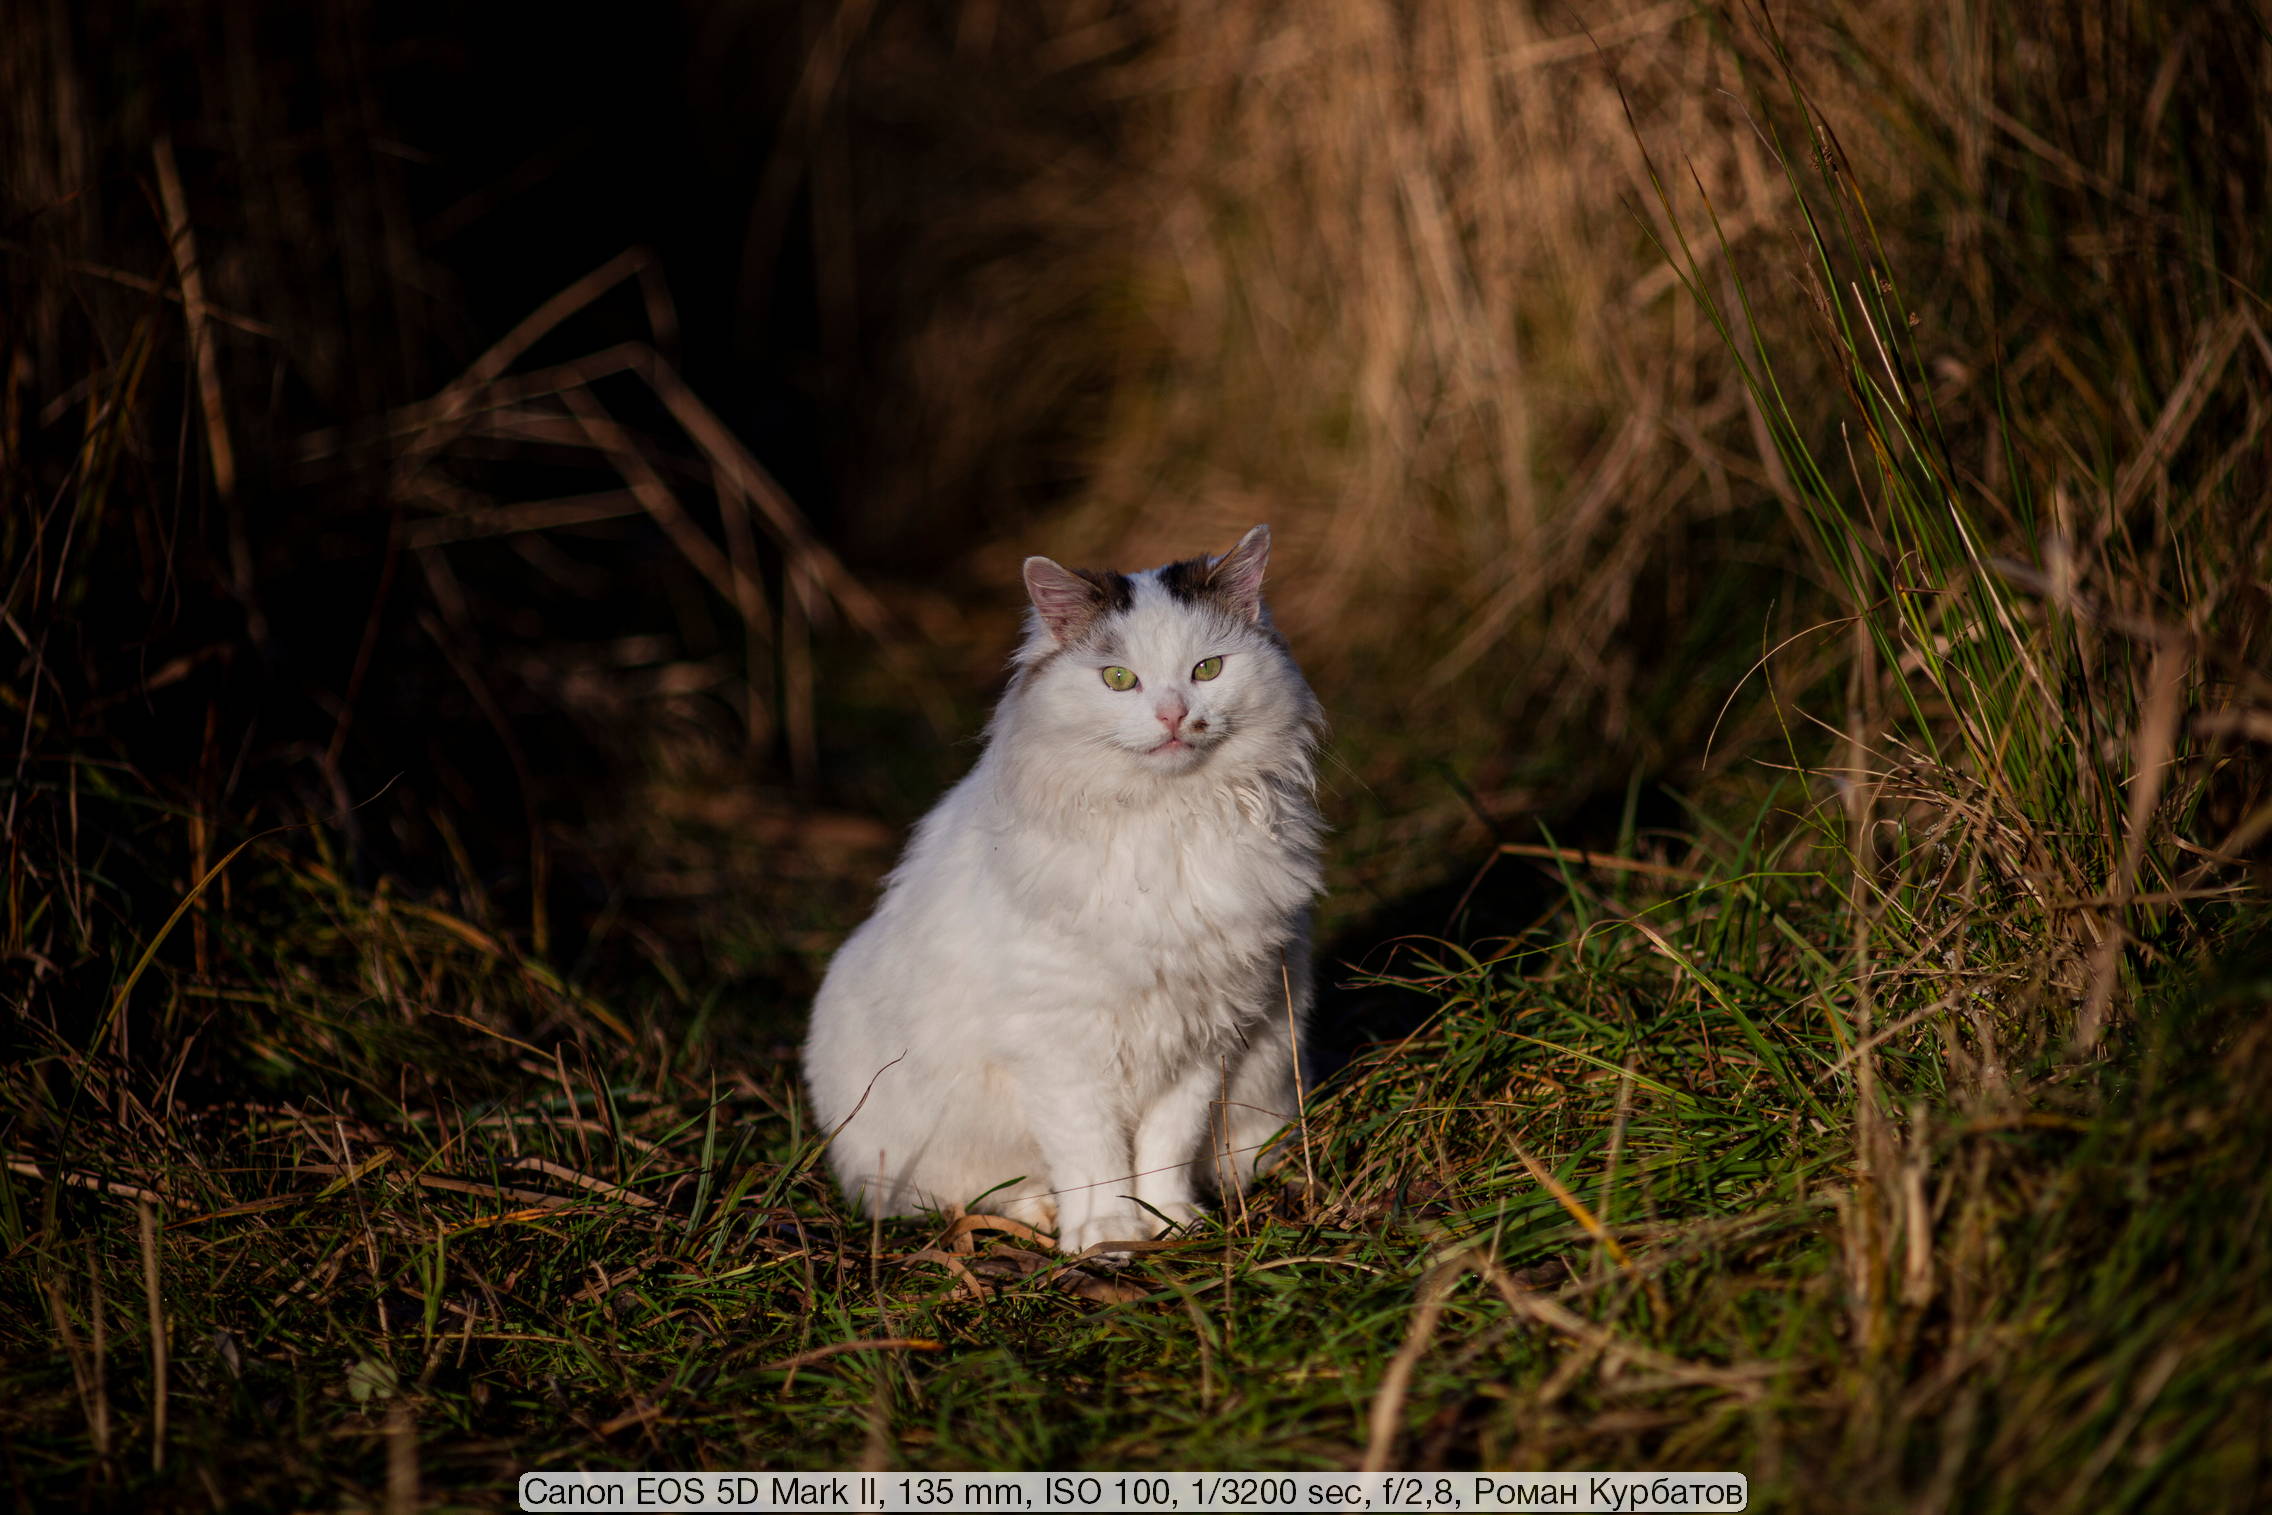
(1187,580)
(1232,582)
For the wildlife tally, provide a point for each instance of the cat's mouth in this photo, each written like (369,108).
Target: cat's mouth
(1172,744)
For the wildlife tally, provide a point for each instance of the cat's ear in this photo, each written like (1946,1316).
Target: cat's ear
(1067,601)
(1236,576)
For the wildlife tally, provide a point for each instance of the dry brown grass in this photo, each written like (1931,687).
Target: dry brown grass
(1389,277)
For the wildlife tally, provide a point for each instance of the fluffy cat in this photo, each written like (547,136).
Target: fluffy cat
(1077,1001)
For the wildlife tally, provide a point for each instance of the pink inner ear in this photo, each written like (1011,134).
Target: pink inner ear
(1067,602)
(1237,574)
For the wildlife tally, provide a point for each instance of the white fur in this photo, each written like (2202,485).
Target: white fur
(1080,987)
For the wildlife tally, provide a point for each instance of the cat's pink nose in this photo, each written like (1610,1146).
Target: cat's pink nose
(1171,712)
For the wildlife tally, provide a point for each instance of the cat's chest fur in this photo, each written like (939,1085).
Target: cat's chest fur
(1192,875)
(1179,913)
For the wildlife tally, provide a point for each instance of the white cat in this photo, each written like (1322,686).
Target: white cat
(1078,998)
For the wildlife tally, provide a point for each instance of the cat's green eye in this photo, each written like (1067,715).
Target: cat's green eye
(1120,679)
(1208,669)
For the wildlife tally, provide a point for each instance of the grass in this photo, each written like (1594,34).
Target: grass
(1876,1110)
(445,1203)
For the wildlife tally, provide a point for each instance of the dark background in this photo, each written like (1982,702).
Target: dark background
(379,192)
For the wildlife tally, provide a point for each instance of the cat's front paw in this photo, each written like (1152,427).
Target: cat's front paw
(1116,1224)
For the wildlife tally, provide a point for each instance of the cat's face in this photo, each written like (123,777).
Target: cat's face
(1162,670)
